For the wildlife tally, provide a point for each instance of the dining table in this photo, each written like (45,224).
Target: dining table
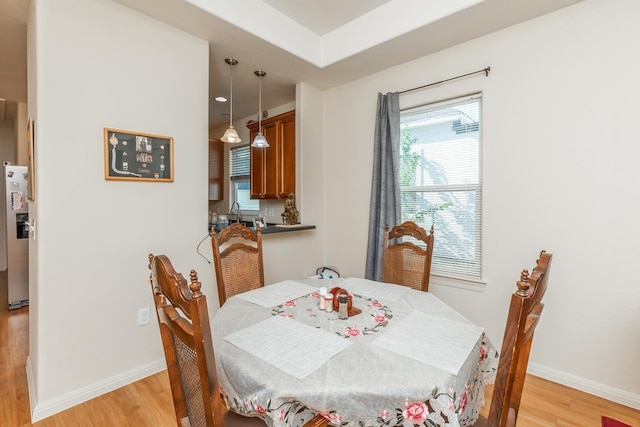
(403,356)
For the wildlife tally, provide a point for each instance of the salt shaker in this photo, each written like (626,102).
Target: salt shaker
(323,294)
(342,307)
(328,302)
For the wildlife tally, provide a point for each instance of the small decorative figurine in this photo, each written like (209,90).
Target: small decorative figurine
(290,216)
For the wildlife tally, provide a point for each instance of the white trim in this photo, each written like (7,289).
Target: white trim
(601,390)
(43,410)
(475,285)
(31,386)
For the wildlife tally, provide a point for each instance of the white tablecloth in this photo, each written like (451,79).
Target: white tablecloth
(375,380)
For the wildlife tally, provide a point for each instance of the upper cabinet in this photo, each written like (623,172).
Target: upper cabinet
(273,169)
(216,169)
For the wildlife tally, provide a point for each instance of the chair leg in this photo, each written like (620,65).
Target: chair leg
(317,421)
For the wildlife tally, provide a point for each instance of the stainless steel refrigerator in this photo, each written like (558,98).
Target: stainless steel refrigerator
(17,210)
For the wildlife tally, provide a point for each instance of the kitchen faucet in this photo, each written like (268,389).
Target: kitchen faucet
(237,211)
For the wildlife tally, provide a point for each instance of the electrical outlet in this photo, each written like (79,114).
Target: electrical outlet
(143,316)
(271,213)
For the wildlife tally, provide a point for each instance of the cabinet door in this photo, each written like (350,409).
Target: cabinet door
(272,132)
(216,169)
(257,179)
(273,169)
(265,164)
(287,157)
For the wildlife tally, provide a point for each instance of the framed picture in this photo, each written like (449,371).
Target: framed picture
(31,154)
(137,156)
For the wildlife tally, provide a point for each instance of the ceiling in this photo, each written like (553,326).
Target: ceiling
(321,17)
(325,43)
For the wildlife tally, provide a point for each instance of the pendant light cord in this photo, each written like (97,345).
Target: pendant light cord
(260,106)
(260,141)
(231,135)
(231,96)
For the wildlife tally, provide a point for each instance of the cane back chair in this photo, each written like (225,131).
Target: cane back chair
(237,255)
(186,338)
(408,261)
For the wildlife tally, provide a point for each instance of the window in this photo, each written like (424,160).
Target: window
(240,159)
(440,181)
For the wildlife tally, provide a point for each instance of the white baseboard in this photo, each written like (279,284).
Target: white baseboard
(604,391)
(31,386)
(41,410)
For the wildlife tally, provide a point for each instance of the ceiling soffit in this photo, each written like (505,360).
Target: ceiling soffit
(390,20)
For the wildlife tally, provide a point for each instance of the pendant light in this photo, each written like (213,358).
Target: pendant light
(230,135)
(260,141)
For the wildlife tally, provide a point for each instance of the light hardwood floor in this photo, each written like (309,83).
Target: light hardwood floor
(148,402)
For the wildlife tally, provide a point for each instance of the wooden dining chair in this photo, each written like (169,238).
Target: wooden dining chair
(524,314)
(188,348)
(408,260)
(237,255)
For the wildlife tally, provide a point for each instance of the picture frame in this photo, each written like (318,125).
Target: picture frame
(31,158)
(137,156)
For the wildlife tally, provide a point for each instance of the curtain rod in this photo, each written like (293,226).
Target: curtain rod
(485,71)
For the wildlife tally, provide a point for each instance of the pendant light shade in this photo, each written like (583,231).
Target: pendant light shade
(260,141)
(230,135)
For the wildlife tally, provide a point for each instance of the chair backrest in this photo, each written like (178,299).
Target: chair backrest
(524,314)
(186,337)
(405,262)
(237,255)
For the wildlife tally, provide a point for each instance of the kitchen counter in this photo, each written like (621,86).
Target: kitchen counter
(279,228)
(272,228)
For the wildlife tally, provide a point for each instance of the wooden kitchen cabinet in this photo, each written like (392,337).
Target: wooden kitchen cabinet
(216,169)
(273,169)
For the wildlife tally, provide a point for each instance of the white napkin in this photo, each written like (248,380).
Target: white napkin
(278,293)
(439,342)
(376,290)
(290,346)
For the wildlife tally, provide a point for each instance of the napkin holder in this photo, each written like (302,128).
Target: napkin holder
(351,310)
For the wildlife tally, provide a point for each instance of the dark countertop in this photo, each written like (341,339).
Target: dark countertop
(272,228)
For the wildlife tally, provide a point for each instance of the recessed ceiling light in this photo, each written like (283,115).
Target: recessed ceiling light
(220,99)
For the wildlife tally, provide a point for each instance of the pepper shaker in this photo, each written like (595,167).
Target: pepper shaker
(342,307)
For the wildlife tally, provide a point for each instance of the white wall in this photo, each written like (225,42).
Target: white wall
(560,172)
(297,254)
(101,65)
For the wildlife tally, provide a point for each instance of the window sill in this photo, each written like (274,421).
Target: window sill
(476,285)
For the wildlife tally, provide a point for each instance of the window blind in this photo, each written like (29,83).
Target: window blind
(440,180)
(240,162)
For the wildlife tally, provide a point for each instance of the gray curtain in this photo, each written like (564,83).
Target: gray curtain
(385,185)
